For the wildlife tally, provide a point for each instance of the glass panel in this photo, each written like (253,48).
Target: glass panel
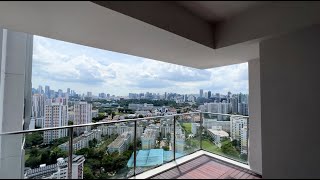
(226,135)
(154,146)
(44,158)
(187,134)
(107,150)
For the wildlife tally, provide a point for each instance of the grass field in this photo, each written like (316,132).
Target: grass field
(209,146)
(187,127)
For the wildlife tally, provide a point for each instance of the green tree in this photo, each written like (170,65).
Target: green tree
(228,149)
(32,162)
(33,139)
(140,116)
(87,173)
(70,122)
(55,154)
(34,152)
(45,156)
(166,148)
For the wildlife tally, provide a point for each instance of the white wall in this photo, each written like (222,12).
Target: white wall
(290,96)
(255,152)
(16,50)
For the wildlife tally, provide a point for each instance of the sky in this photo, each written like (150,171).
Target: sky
(63,65)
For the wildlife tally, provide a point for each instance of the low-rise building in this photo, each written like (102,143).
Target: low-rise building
(83,140)
(218,135)
(121,143)
(148,139)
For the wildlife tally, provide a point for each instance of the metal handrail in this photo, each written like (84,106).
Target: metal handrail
(92,124)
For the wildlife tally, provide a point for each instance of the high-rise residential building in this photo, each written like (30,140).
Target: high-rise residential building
(56,115)
(201,93)
(47,91)
(238,131)
(244,140)
(206,94)
(37,109)
(102,95)
(82,115)
(209,94)
(234,103)
(218,98)
(223,108)
(243,109)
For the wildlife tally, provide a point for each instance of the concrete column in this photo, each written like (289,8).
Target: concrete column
(16,53)
(255,152)
(290,96)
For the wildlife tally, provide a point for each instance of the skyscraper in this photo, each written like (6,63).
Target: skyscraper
(201,93)
(37,109)
(68,91)
(60,93)
(40,91)
(209,94)
(234,103)
(47,91)
(56,115)
(82,115)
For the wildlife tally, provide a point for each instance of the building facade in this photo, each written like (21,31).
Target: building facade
(82,115)
(56,115)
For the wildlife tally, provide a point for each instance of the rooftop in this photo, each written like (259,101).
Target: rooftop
(152,157)
(219,133)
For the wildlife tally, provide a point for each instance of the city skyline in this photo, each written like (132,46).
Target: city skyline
(85,69)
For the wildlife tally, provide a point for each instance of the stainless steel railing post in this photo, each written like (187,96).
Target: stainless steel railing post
(201,127)
(70,158)
(174,137)
(135,149)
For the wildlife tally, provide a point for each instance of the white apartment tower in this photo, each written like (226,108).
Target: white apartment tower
(56,115)
(38,106)
(239,131)
(82,115)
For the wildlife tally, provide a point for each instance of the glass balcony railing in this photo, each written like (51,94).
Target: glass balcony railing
(225,135)
(121,149)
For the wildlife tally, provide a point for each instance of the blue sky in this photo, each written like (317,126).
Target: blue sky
(63,65)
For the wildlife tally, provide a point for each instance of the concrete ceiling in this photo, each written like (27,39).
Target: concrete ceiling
(214,11)
(162,30)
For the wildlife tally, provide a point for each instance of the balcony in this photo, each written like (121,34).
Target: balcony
(189,145)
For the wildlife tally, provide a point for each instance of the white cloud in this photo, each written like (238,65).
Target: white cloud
(62,65)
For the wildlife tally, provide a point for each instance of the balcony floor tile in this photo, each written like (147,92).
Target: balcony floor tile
(206,167)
